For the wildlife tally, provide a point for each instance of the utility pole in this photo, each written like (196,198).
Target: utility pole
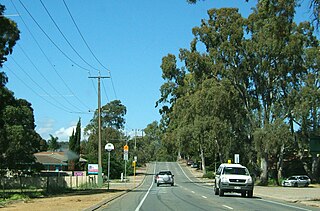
(100,179)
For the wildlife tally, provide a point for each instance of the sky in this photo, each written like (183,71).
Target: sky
(64,42)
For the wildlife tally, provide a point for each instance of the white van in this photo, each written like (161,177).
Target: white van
(233,178)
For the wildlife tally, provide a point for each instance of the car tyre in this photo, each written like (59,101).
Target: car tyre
(243,194)
(250,193)
(158,184)
(221,193)
(306,185)
(172,184)
(216,191)
(295,185)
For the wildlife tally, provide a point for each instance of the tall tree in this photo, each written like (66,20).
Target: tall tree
(112,120)
(9,34)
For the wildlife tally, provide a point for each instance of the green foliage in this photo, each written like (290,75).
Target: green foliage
(9,34)
(53,144)
(255,78)
(209,175)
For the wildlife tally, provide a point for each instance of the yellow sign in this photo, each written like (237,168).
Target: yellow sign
(229,161)
(125,147)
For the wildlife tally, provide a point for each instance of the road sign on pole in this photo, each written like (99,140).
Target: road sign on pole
(125,155)
(126,148)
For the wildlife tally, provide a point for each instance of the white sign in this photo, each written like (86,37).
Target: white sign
(93,168)
(109,147)
(125,156)
(236,158)
(135,158)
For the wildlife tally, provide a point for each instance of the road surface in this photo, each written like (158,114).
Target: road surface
(189,195)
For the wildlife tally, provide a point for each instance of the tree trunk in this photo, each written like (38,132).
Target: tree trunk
(202,160)
(264,169)
(315,165)
(280,164)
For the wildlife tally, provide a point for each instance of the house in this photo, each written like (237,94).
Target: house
(58,161)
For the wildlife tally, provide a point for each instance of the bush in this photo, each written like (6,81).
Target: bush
(209,174)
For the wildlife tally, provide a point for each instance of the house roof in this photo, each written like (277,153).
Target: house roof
(55,158)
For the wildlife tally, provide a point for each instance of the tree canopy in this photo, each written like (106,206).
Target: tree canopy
(242,87)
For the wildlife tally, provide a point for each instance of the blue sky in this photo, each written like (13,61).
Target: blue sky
(128,37)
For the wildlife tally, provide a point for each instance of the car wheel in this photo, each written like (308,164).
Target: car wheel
(295,185)
(250,193)
(243,194)
(172,184)
(221,193)
(306,185)
(158,184)
(216,191)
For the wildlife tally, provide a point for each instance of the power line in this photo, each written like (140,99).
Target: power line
(51,39)
(114,91)
(61,108)
(86,43)
(47,58)
(105,91)
(49,83)
(74,22)
(65,38)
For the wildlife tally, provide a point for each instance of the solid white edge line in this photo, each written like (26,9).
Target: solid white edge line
(230,208)
(145,196)
(204,197)
(285,205)
(190,179)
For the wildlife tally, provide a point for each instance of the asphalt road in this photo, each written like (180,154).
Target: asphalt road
(189,195)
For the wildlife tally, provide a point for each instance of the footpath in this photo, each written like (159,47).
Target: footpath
(305,195)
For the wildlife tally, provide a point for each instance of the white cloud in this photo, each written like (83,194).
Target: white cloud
(64,133)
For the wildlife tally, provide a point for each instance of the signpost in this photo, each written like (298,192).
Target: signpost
(109,147)
(126,158)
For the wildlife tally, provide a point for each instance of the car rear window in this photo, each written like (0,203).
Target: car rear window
(165,173)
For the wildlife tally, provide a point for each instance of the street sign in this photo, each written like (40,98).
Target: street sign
(236,158)
(109,147)
(125,156)
(125,148)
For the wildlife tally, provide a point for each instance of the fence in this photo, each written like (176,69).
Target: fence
(46,184)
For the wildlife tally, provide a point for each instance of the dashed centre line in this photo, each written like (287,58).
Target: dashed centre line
(230,208)
(204,197)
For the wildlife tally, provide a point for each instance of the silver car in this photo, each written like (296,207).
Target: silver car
(165,177)
(297,181)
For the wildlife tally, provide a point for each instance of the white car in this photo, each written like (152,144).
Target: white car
(233,178)
(165,177)
(297,181)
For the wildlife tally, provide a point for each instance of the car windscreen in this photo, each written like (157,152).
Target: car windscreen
(235,170)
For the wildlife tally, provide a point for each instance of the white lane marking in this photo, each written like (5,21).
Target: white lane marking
(285,205)
(190,179)
(192,192)
(204,197)
(145,196)
(230,208)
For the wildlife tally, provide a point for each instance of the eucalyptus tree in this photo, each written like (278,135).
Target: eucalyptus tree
(314,5)
(112,122)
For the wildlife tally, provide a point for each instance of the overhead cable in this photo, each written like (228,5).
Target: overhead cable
(47,58)
(65,38)
(52,40)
